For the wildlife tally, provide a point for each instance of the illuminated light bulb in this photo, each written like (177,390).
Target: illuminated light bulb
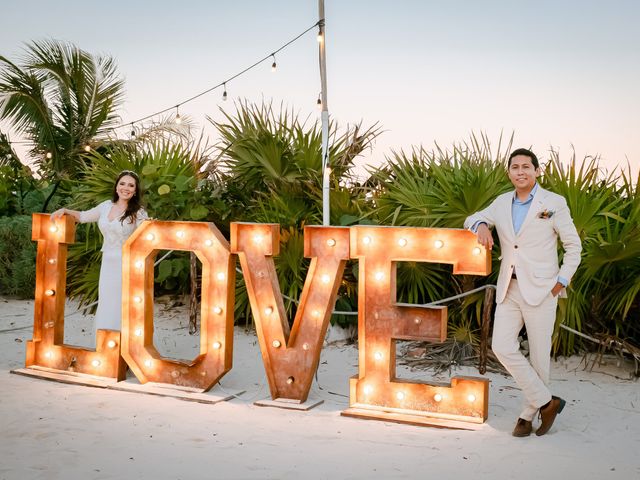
(268,311)
(139,264)
(148,363)
(48,354)
(400,395)
(368,390)
(217,310)
(328,170)
(224,93)
(111,344)
(51,261)
(257,239)
(273,65)
(379,276)
(221,276)
(137,299)
(49,293)
(290,380)
(319,103)
(320,36)
(150,236)
(87,148)
(476,251)
(138,332)
(276,344)
(217,345)
(471,398)
(331,242)
(95,363)
(325,278)
(133,133)
(178,119)
(437,397)
(305,346)
(53,229)
(315,313)
(417,321)
(366,240)
(402,242)
(49,155)
(180,234)
(438,244)
(377,355)
(208,243)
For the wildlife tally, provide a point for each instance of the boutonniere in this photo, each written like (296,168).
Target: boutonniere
(546,214)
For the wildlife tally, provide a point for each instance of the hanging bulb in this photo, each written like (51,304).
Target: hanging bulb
(320,36)
(87,148)
(49,155)
(133,132)
(273,65)
(319,102)
(224,94)
(178,117)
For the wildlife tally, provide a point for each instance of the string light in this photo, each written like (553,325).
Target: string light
(273,65)
(178,117)
(223,84)
(319,101)
(87,148)
(320,35)
(49,155)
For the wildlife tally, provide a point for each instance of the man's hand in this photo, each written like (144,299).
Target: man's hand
(484,236)
(556,289)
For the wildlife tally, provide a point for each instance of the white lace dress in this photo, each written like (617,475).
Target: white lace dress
(115,233)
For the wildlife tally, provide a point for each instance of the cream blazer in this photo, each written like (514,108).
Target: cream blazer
(533,252)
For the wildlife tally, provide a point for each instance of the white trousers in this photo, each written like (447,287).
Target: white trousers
(531,376)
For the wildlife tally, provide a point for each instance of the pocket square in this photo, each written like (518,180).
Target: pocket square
(544,214)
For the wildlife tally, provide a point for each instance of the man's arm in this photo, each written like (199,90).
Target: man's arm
(480,223)
(570,240)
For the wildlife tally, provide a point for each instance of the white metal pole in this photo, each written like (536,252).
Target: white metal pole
(326,170)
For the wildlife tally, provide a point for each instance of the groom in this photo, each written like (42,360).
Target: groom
(529,221)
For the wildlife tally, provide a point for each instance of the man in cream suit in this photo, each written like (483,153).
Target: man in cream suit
(529,221)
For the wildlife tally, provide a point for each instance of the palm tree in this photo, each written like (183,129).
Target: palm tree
(63,100)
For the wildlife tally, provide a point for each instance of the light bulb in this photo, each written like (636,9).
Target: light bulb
(224,93)
(139,264)
(138,332)
(53,229)
(217,310)
(137,299)
(87,148)
(290,380)
(216,345)
(402,242)
(48,354)
(368,389)
(471,398)
(438,244)
(49,293)
(319,103)
(178,119)
(477,251)
(150,236)
(268,311)
(331,242)
(366,240)
(51,261)
(400,395)
(148,363)
(325,278)
(180,234)
(437,397)
(221,276)
(95,363)
(379,276)
(257,239)
(276,344)
(208,243)
(417,320)
(305,346)
(49,155)
(320,36)
(377,355)
(315,313)
(111,344)
(273,65)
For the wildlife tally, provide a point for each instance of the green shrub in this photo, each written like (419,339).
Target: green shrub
(17,257)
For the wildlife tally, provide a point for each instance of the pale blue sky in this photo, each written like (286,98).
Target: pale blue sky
(558,73)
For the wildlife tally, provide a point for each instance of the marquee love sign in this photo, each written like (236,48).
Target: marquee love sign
(290,356)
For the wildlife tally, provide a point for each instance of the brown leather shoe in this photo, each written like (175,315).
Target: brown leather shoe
(523,428)
(548,414)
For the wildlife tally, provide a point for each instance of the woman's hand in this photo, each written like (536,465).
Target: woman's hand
(58,213)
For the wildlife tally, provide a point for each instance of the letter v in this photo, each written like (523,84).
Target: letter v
(290,358)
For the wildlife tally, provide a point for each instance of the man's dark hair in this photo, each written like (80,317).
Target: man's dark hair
(527,153)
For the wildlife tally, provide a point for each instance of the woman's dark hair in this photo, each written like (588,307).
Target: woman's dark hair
(135,202)
(527,153)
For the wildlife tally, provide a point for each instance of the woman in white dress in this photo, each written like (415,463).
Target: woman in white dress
(117,219)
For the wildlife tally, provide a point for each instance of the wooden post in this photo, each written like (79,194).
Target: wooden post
(489,293)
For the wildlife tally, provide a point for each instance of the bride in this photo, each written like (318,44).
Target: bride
(117,219)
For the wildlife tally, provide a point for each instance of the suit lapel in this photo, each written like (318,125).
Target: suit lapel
(536,204)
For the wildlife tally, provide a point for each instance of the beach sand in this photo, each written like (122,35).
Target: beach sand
(51,430)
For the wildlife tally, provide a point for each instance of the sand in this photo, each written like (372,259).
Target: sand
(51,430)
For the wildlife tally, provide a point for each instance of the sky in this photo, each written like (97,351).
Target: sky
(560,75)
